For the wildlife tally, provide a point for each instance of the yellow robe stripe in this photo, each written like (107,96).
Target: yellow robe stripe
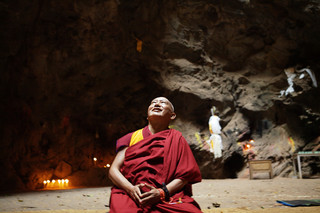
(136,137)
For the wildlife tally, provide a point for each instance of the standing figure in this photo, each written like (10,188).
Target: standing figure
(154,167)
(215,141)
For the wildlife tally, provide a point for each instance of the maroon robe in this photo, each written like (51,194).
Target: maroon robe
(157,159)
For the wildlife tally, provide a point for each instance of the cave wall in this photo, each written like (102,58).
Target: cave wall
(73,81)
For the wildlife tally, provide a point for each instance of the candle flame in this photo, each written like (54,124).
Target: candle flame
(95,159)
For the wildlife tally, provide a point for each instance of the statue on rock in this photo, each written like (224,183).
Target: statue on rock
(215,142)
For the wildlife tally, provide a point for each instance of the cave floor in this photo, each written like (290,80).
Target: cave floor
(233,195)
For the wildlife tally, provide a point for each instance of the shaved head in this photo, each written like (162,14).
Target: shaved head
(162,107)
(171,105)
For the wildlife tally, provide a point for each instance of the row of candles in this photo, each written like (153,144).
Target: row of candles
(60,183)
(64,183)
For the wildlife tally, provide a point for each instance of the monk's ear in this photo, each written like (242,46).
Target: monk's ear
(173,116)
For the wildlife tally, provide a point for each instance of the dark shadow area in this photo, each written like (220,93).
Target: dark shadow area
(233,165)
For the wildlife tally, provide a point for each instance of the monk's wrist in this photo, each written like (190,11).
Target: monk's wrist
(129,189)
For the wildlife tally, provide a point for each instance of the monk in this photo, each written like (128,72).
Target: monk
(154,167)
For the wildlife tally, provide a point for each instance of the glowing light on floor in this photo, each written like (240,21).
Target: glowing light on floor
(56,184)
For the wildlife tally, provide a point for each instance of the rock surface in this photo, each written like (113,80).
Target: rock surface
(73,81)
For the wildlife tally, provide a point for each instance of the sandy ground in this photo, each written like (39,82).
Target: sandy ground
(233,195)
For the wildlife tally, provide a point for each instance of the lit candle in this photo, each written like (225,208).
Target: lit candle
(95,161)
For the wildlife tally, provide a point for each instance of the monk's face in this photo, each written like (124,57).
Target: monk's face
(161,107)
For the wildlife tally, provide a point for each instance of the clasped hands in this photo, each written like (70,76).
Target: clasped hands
(144,198)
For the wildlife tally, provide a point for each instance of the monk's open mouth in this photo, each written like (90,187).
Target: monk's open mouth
(156,110)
